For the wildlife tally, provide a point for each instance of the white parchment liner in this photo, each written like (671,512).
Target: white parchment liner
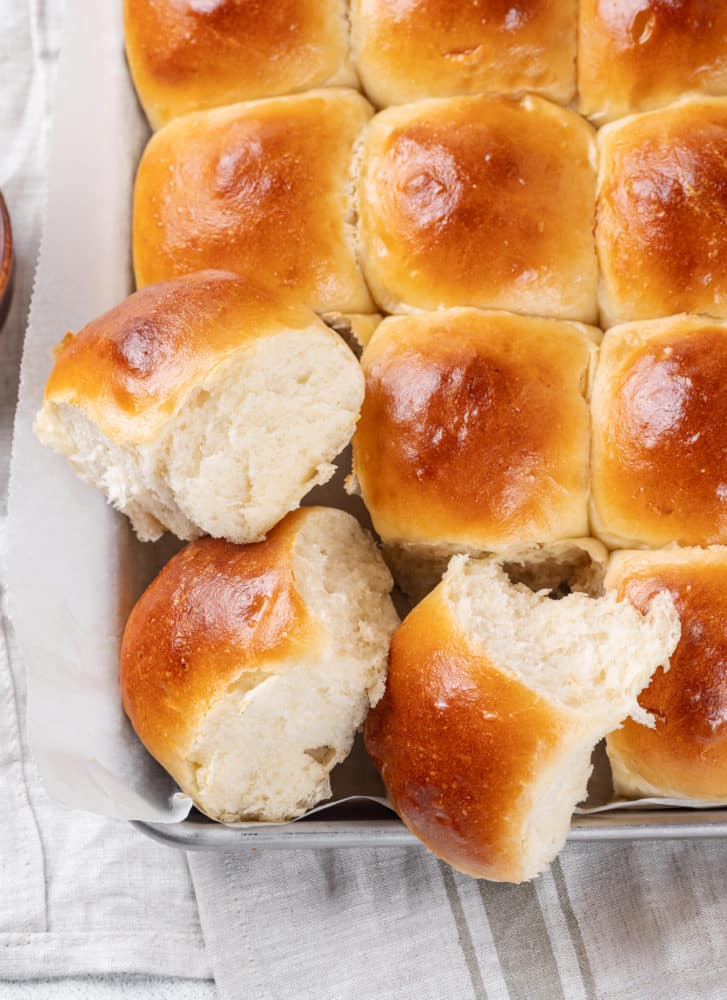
(75,567)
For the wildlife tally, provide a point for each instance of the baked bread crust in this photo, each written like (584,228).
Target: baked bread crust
(685,754)
(187,56)
(262,188)
(443,48)
(661,210)
(659,418)
(465,202)
(474,433)
(635,55)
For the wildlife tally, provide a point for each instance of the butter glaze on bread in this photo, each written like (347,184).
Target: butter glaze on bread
(685,754)
(661,223)
(247,670)
(187,56)
(635,55)
(206,404)
(262,188)
(474,433)
(479,201)
(494,701)
(659,414)
(442,48)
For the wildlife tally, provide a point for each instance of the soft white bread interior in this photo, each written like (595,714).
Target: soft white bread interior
(495,699)
(247,670)
(203,405)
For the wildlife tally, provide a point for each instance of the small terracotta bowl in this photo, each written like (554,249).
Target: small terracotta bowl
(6,260)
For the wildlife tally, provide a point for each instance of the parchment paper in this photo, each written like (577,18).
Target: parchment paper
(75,567)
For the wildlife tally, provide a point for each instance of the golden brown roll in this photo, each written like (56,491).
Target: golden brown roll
(203,405)
(262,188)
(247,670)
(640,54)
(659,415)
(474,433)
(684,755)
(661,211)
(478,201)
(494,700)
(442,48)
(186,56)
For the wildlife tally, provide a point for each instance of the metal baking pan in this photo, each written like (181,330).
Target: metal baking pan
(200,834)
(363,822)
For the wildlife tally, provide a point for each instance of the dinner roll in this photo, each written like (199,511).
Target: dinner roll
(480,201)
(474,433)
(639,54)
(662,206)
(186,55)
(494,701)
(441,48)
(659,454)
(203,405)
(262,188)
(684,754)
(247,670)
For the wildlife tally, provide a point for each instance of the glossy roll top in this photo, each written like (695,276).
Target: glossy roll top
(640,54)
(480,201)
(659,411)
(474,429)
(662,205)
(685,754)
(261,188)
(441,48)
(130,369)
(187,55)
(215,612)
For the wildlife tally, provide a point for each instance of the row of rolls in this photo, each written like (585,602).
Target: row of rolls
(489,202)
(607,59)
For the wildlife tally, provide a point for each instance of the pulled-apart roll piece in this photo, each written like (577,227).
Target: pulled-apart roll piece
(480,201)
(684,755)
(494,701)
(659,414)
(634,55)
(474,433)
(204,405)
(247,670)
(186,55)
(262,188)
(661,211)
(441,48)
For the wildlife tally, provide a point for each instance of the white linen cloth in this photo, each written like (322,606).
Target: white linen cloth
(609,921)
(79,896)
(91,909)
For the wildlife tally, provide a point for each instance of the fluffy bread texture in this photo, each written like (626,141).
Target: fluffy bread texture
(188,56)
(494,701)
(262,188)
(203,405)
(661,210)
(635,55)
(480,201)
(659,419)
(474,433)
(684,755)
(247,670)
(443,48)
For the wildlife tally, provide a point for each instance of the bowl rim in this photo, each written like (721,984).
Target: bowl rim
(6,250)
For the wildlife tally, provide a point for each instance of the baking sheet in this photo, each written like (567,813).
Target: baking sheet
(75,567)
